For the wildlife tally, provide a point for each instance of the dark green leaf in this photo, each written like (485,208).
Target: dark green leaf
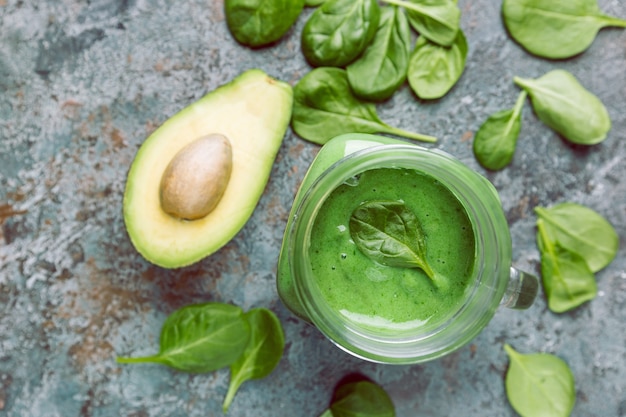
(581,230)
(261,22)
(262,354)
(564,105)
(437,20)
(390,234)
(339,31)
(567,280)
(435,69)
(556,28)
(382,68)
(495,141)
(201,338)
(325,107)
(539,385)
(361,399)
(313,3)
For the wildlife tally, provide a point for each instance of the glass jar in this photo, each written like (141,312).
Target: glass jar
(494,282)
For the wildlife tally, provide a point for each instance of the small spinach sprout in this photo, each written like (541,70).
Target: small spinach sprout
(496,139)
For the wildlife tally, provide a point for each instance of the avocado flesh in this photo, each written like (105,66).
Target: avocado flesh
(253,112)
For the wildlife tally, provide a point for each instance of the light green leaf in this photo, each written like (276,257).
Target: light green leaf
(564,105)
(435,69)
(555,29)
(567,280)
(539,385)
(496,139)
(583,231)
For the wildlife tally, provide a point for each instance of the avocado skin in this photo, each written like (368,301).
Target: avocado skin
(253,111)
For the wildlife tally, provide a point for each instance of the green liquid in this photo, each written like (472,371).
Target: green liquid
(382,297)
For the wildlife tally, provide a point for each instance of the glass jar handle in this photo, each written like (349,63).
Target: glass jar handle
(521,290)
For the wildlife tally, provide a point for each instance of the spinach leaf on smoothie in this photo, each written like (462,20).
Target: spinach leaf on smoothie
(389,233)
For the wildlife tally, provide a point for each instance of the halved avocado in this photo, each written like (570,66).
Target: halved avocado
(253,112)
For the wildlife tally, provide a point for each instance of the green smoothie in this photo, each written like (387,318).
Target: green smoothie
(393,298)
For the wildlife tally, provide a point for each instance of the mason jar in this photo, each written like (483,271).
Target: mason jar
(492,281)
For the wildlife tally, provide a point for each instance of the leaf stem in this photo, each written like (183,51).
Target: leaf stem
(519,104)
(441,282)
(233,387)
(522,82)
(614,21)
(142,359)
(410,135)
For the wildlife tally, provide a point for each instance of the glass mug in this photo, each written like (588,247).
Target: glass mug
(494,282)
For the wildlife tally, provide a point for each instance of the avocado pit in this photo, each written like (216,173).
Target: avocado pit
(197,176)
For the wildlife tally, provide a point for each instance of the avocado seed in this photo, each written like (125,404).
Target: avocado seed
(196,178)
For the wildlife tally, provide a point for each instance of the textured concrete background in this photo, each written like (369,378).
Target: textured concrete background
(83,82)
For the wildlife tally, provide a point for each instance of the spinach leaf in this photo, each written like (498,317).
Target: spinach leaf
(262,354)
(382,68)
(555,29)
(496,139)
(563,104)
(390,234)
(435,69)
(260,22)
(339,31)
(583,231)
(324,107)
(539,384)
(200,338)
(360,399)
(437,20)
(567,280)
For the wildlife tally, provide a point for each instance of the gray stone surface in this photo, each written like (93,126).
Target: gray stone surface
(82,83)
